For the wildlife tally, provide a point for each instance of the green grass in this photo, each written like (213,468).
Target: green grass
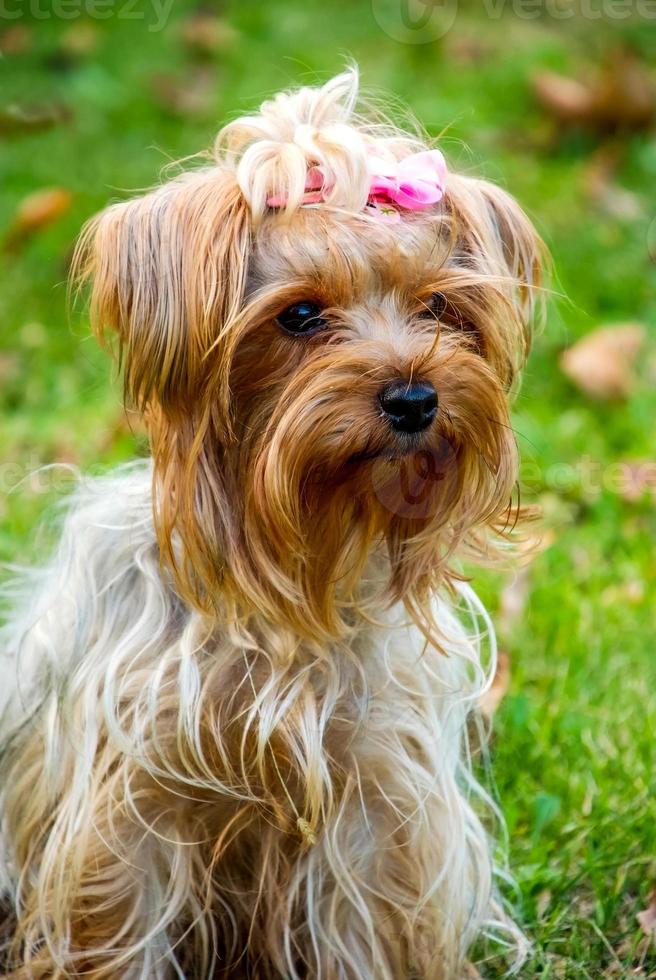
(574,751)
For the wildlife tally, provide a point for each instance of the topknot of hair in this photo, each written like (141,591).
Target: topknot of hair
(273,150)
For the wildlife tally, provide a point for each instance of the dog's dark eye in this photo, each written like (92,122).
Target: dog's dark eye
(434,306)
(302,318)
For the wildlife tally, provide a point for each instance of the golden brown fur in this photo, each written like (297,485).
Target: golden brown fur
(246,762)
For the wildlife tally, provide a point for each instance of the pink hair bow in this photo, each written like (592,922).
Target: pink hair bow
(414,183)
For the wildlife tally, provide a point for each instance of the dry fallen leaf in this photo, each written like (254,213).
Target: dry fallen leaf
(647,918)
(206,35)
(569,100)
(190,95)
(492,698)
(619,97)
(75,44)
(16,39)
(625,97)
(80,39)
(543,902)
(35,212)
(600,184)
(9,367)
(467,49)
(627,950)
(17,119)
(600,364)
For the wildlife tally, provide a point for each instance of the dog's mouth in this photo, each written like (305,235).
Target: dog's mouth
(403,446)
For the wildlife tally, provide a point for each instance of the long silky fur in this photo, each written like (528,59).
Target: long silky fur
(145,824)
(235,704)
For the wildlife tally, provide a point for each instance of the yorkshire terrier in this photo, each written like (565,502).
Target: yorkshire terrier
(236,701)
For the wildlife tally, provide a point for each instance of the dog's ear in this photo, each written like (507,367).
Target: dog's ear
(497,244)
(168,272)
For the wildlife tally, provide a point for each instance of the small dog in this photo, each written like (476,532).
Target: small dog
(234,738)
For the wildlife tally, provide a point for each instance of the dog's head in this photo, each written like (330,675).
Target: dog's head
(324,376)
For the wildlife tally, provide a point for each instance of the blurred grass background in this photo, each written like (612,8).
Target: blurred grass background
(94,108)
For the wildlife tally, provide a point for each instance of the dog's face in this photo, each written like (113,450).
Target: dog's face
(319,385)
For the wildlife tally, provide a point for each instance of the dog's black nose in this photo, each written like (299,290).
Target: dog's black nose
(409,406)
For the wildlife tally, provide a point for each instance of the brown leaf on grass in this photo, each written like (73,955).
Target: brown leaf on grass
(35,212)
(16,39)
(79,40)
(9,366)
(207,35)
(490,700)
(647,918)
(625,95)
(600,364)
(191,95)
(467,49)
(18,120)
(600,184)
(543,902)
(569,100)
(633,959)
(619,97)
(75,44)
